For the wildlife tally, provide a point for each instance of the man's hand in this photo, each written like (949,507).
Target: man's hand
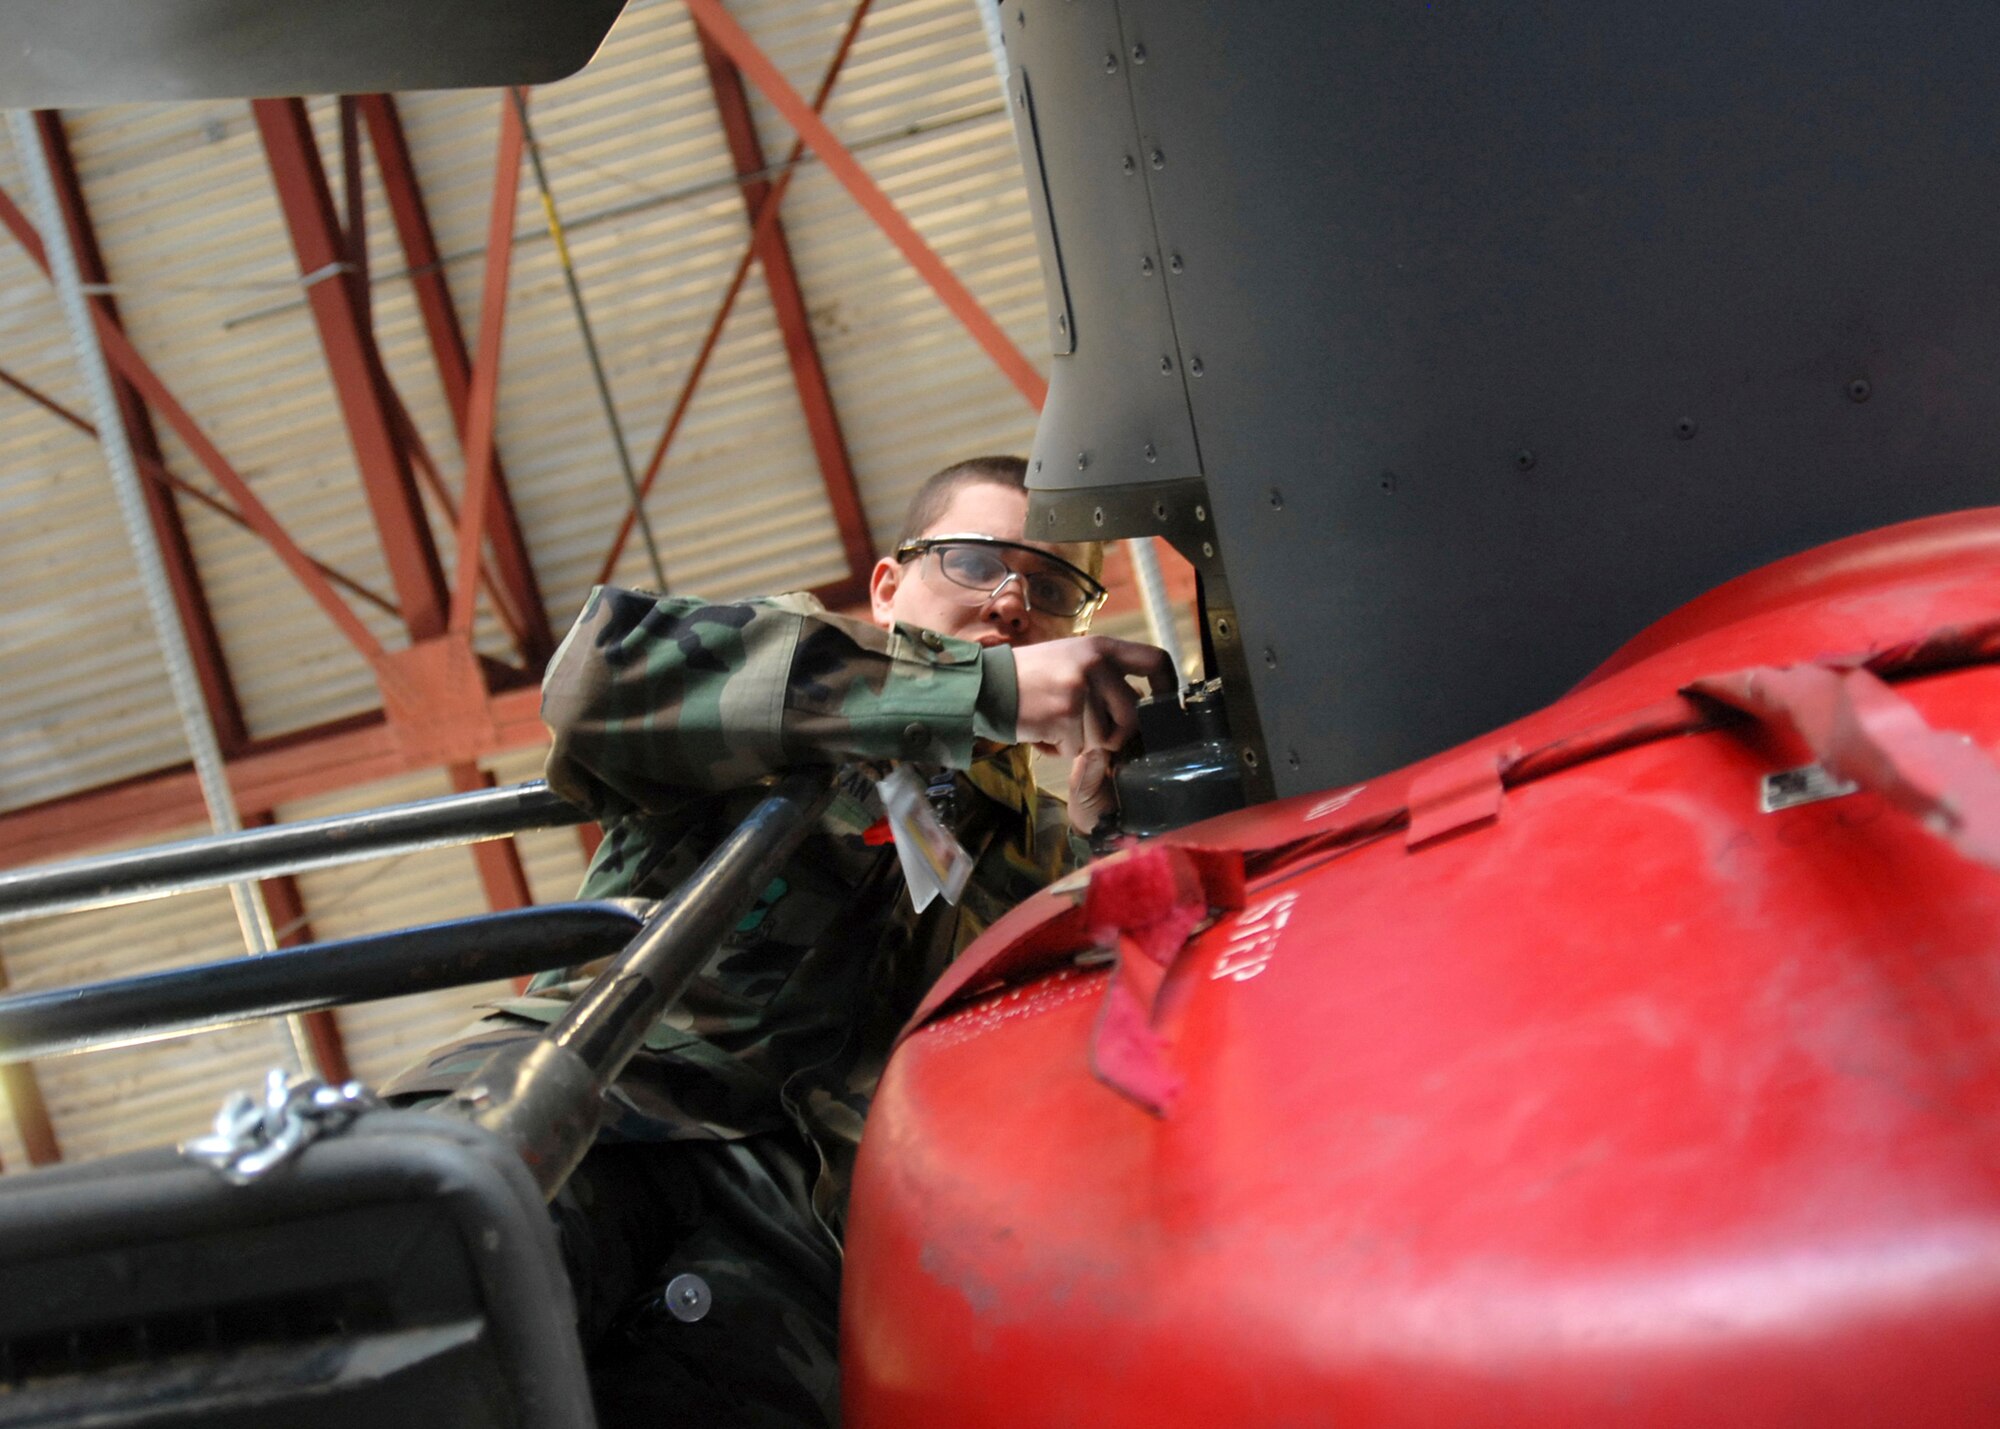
(1091,795)
(1073,695)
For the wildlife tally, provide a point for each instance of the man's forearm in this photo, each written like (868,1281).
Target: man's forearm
(652,696)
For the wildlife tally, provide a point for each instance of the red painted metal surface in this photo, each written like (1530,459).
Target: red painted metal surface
(448,350)
(1630,1103)
(482,393)
(340,310)
(730,37)
(504,602)
(788,305)
(302,765)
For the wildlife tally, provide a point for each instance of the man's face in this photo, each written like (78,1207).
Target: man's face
(916,593)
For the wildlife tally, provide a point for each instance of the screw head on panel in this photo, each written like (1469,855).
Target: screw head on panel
(1194,366)
(1146,265)
(1166,364)
(1685,429)
(1138,54)
(1097,517)
(1130,165)
(1082,460)
(1174,264)
(1110,63)
(1158,159)
(1524,459)
(1859,390)
(1151,454)
(1277,499)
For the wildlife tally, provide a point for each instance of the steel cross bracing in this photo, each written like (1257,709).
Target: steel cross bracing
(380,426)
(220,708)
(484,710)
(454,365)
(788,302)
(721,29)
(345,752)
(443,705)
(763,207)
(485,715)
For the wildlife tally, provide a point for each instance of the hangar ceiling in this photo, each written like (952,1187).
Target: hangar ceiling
(301,302)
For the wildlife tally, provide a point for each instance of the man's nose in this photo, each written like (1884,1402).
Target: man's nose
(1007,607)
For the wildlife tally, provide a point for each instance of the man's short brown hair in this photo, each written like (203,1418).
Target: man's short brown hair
(938,490)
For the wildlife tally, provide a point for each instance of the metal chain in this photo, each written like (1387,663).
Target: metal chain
(253,1137)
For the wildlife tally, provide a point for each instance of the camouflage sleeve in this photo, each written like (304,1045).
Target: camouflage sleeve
(651,696)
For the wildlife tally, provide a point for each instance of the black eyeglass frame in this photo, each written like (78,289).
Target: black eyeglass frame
(1095,593)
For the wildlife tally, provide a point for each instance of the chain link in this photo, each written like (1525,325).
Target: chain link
(253,1137)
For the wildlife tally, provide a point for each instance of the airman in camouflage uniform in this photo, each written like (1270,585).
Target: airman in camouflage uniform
(730,1136)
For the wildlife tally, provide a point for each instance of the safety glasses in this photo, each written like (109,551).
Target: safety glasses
(983,566)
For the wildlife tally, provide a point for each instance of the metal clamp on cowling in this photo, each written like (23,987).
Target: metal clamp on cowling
(1865,734)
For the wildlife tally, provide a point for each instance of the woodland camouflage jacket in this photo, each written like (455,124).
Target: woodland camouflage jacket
(666,711)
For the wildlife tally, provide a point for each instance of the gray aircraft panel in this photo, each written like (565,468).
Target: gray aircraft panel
(1516,328)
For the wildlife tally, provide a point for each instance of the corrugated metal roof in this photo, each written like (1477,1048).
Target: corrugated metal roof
(65,584)
(209,287)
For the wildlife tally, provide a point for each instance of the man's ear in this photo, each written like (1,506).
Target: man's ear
(882,583)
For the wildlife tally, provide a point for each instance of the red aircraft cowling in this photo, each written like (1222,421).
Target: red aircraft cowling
(1549,1081)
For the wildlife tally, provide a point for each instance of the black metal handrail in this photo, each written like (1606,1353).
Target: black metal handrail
(141,874)
(545,1096)
(463,951)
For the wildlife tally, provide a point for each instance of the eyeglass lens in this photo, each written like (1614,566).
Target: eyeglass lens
(979,569)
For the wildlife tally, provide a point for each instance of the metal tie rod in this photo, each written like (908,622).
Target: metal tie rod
(545,1096)
(175,1003)
(220,859)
